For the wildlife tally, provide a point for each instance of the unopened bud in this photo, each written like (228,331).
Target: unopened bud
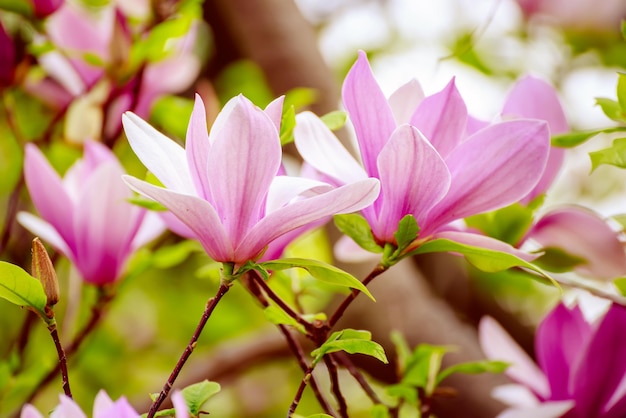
(43,270)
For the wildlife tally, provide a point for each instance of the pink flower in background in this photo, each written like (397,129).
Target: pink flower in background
(103,407)
(581,366)
(586,15)
(43,8)
(224,186)
(86,214)
(429,168)
(7,58)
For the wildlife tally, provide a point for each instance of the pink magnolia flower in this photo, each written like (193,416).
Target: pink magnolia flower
(224,186)
(429,167)
(581,366)
(7,58)
(585,15)
(43,8)
(86,215)
(103,407)
(599,247)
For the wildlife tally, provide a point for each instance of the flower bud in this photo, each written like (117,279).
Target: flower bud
(43,270)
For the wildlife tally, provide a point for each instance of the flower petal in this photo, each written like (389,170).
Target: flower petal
(67,409)
(197,147)
(493,168)
(345,199)
(544,410)
(559,342)
(599,245)
(497,344)
(42,229)
(29,411)
(179,404)
(105,225)
(162,156)
(196,213)
(48,195)
(516,395)
(275,111)
(245,157)
(286,188)
(405,100)
(600,369)
(413,178)
(322,150)
(369,112)
(483,241)
(442,119)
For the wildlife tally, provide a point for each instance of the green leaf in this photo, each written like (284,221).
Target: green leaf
(351,341)
(93,59)
(406,233)
(558,260)
(474,367)
(508,224)
(279,317)
(403,352)
(611,109)
(197,394)
(172,114)
(620,284)
(335,120)
(482,258)
(614,155)
(379,411)
(621,93)
(321,271)
(423,367)
(300,97)
(21,288)
(287,125)
(356,227)
(173,255)
(404,391)
(572,139)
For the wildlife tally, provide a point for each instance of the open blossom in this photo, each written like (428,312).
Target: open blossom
(224,185)
(581,366)
(429,162)
(103,407)
(86,214)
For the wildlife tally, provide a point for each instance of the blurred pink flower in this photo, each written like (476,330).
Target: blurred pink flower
(224,186)
(103,407)
(581,366)
(428,168)
(585,15)
(43,8)
(86,215)
(7,58)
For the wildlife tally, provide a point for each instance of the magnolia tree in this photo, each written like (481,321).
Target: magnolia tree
(149,207)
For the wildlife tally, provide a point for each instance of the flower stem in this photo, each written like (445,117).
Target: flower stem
(335,386)
(336,316)
(308,375)
(62,359)
(210,306)
(342,359)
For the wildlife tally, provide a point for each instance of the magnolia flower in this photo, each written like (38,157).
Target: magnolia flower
(429,167)
(103,407)
(581,366)
(86,215)
(7,58)
(599,248)
(43,8)
(223,186)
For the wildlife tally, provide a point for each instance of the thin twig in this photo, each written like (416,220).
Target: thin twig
(62,360)
(342,359)
(210,306)
(336,316)
(308,375)
(335,386)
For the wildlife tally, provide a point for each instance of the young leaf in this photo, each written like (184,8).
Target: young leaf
(406,233)
(356,227)
(278,317)
(508,224)
(197,394)
(351,341)
(21,288)
(335,120)
(423,367)
(621,93)
(403,352)
(614,155)
(287,124)
(611,109)
(620,284)
(379,411)
(572,139)
(321,271)
(474,367)
(482,258)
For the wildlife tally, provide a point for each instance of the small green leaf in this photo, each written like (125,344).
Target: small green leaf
(508,224)
(620,284)
(404,391)
(482,258)
(93,59)
(321,271)
(279,317)
(335,120)
(356,227)
(351,341)
(287,125)
(558,260)
(572,139)
(621,93)
(611,109)
(172,114)
(423,367)
(146,203)
(403,352)
(379,411)
(406,233)
(614,155)
(197,394)
(21,288)
(474,367)
(300,97)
